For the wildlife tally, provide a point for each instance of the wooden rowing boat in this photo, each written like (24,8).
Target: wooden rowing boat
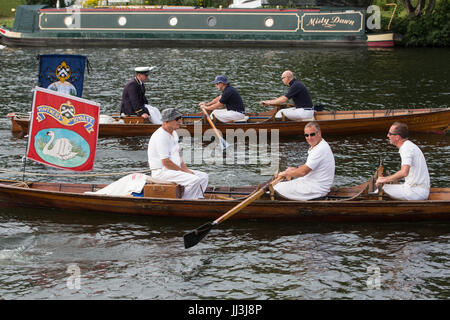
(431,120)
(345,204)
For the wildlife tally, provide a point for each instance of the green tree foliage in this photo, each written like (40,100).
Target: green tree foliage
(427,29)
(412,10)
(51,3)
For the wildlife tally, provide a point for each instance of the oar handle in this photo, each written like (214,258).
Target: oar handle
(281,105)
(211,123)
(246,202)
(380,187)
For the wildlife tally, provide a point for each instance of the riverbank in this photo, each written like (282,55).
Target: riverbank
(7,22)
(8,11)
(6,6)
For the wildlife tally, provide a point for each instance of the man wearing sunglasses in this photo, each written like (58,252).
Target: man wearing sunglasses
(165,161)
(413,168)
(300,96)
(313,179)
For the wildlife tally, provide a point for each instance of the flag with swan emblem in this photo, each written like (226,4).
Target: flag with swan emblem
(63,130)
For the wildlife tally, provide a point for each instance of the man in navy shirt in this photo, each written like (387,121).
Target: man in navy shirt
(230,98)
(299,94)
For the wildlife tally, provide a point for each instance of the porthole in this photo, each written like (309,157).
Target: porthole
(68,21)
(211,21)
(269,22)
(122,21)
(173,21)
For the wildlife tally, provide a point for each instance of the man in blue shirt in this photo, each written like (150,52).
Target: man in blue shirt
(230,98)
(300,96)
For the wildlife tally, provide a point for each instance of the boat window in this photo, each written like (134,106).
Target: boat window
(122,21)
(68,21)
(211,21)
(269,22)
(173,21)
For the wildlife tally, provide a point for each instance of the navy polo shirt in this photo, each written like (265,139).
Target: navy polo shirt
(299,94)
(232,99)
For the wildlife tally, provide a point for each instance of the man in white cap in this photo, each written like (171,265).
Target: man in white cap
(134,102)
(165,161)
(230,98)
(300,96)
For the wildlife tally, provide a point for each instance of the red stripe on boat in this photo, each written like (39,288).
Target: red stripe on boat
(384,44)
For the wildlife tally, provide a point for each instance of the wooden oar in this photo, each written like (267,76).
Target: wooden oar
(380,187)
(194,237)
(223,143)
(379,174)
(280,105)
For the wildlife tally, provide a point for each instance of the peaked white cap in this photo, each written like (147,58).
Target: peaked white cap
(143,69)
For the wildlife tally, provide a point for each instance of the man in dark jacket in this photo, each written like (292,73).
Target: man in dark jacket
(134,102)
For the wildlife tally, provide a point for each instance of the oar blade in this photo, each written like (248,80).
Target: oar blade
(194,237)
(224,144)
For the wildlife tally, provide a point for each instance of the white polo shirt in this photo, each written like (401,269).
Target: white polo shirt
(321,161)
(163,145)
(411,155)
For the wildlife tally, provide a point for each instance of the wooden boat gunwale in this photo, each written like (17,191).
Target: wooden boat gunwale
(354,209)
(426,120)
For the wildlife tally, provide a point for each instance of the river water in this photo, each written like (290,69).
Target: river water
(126,257)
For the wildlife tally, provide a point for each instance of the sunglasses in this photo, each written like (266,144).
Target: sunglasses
(310,135)
(392,134)
(177,118)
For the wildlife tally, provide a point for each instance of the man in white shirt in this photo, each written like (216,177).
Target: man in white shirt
(413,168)
(315,178)
(165,161)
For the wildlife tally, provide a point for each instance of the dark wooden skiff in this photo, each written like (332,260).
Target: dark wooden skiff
(347,204)
(431,120)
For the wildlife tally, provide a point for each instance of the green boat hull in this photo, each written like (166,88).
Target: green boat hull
(38,26)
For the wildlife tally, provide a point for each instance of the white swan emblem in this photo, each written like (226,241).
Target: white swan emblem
(62,148)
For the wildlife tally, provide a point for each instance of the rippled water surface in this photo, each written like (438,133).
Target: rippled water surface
(121,257)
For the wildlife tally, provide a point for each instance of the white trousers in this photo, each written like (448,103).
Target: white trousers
(295,114)
(225,115)
(299,189)
(154,113)
(194,184)
(406,192)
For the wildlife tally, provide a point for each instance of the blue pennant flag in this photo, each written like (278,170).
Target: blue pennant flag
(62,72)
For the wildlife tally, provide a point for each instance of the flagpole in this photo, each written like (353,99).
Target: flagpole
(24,158)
